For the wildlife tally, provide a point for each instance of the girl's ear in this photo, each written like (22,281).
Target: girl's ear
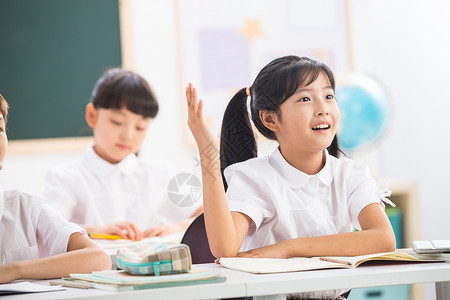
(269,119)
(91,115)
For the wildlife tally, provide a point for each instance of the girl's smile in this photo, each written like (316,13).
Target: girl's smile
(321,127)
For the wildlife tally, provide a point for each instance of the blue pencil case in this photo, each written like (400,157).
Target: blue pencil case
(153,258)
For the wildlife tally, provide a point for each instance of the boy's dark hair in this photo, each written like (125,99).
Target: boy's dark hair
(274,84)
(3,108)
(118,88)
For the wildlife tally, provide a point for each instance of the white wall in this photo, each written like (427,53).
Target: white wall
(406,45)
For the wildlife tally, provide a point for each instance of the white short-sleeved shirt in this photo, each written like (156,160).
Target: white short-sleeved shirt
(30,228)
(95,192)
(285,203)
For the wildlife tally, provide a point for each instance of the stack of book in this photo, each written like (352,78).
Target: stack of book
(120,281)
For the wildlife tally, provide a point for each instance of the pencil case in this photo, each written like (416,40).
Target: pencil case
(153,258)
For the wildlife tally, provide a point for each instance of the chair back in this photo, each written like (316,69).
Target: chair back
(195,237)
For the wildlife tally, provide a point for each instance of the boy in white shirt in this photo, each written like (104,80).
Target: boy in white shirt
(110,190)
(35,241)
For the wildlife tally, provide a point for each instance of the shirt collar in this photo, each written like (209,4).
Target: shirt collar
(296,178)
(99,166)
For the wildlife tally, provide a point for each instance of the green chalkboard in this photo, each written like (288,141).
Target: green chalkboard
(51,54)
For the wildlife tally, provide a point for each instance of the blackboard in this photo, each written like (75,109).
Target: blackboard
(51,54)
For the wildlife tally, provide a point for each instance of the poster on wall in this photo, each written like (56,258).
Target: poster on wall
(225,43)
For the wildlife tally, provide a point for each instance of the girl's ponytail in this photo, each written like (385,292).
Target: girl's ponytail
(237,141)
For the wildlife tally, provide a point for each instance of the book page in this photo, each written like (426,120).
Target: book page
(276,265)
(390,256)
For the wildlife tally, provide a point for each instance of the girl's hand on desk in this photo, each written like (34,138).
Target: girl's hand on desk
(277,250)
(127,230)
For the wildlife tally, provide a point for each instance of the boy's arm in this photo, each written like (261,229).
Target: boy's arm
(82,256)
(376,236)
(226,231)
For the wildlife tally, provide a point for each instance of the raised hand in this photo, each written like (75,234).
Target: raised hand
(202,135)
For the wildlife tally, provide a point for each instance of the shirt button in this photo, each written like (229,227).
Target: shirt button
(313,180)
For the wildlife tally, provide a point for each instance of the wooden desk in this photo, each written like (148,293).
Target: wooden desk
(276,286)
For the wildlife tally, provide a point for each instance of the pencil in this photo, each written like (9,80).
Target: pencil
(104,236)
(335,261)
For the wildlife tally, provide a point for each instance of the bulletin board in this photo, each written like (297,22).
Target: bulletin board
(223,44)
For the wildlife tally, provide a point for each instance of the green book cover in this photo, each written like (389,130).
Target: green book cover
(78,283)
(118,280)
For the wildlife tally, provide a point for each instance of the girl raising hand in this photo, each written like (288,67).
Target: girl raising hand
(302,200)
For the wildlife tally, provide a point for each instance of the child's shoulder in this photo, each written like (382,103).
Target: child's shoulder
(65,170)
(156,166)
(22,195)
(16,199)
(347,166)
(158,172)
(252,167)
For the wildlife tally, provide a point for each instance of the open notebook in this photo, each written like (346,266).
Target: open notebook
(278,265)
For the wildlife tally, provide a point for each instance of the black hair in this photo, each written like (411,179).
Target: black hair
(274,84)
(119,88)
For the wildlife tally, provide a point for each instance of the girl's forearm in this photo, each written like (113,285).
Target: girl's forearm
(220,228)
(343,244)
(61,265)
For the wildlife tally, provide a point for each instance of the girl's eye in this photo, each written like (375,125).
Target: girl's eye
(330,97)
(304,99)
(140,128)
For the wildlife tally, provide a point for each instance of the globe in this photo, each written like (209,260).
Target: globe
(364,110)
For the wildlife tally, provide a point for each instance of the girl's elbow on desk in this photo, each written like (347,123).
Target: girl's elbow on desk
(388,241)
(382,241)
(223,251)
(102,260)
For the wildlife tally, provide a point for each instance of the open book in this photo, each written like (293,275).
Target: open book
(278,265)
